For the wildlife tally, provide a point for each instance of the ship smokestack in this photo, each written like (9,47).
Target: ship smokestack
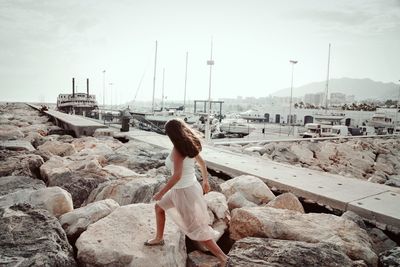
(73,87)
(87,87)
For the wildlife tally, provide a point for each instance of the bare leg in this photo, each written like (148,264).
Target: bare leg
(160,221)
(216,250)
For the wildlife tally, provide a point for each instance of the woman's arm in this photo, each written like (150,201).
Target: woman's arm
(204,173)
(178,164)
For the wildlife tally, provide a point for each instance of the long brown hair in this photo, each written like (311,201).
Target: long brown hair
(184,139)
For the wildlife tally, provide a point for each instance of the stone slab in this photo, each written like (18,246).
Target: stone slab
(17,145)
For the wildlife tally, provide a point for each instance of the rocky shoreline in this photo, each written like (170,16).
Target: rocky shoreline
(68,201)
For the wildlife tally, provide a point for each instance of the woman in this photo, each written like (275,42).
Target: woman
(182,197)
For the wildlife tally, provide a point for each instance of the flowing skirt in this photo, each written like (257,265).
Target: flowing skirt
(188,209)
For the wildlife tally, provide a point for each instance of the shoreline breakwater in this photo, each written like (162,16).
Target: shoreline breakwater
(86,201)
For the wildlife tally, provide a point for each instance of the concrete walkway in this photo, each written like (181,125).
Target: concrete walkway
(78,124)
(378,203)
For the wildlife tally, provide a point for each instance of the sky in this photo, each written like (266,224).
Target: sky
(44,43)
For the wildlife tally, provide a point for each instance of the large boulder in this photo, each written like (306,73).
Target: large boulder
(53,199)
(312,228)
(119,171)
(286,201)
(237,200)
(20,164)
(77,221)
(200,259)
(258,252)
(380,241)
(390,258)
(11,184)
(58,148)
(117,240)
(252,188)
(128,190)
(32,237)
(216,202)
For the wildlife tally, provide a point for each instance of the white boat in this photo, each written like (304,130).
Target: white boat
(252,115)
(329,119)
(380,120)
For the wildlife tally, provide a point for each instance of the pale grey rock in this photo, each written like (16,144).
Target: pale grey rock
(11,184)
(117,240)
(128,190)
(380,241)
(58,148)
(16,145)
(252,188)
(312,228)
(237,200)
(354,217)
(216,202)
(20,164)
(257,252)
(200,259)
(286,201)
(32,237)
(77,221)
(53,199)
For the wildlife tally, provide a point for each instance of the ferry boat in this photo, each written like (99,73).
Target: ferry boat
(77,103)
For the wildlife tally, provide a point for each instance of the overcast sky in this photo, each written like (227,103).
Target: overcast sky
(44,43)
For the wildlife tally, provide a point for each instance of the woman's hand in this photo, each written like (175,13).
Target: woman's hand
(206,186)
(158,195)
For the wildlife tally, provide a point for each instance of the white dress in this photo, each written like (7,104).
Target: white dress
(185,205)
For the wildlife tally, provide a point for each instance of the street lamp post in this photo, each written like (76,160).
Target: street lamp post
(207,130)
(293,62)
(397,109)
(104,96)
(111,95)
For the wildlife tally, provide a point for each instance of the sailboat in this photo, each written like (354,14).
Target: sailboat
(325,118)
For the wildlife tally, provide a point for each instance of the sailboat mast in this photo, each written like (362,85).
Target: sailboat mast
(184,94)
(162,101)
(327,79)
(154,79)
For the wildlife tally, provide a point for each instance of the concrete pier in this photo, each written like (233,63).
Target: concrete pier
(77,124)
(375,202)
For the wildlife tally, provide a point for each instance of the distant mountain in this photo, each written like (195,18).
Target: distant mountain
(361,88)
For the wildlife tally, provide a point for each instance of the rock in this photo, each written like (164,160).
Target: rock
(311,227)
(380,241)
(216,202)
(200,259)
(302,152)
(286,201)
(127,190)
(17,145)
(386,168)
(103,132)
(77,221)
(393,180)
(117,240)
(282,153)
(237,200)
(252,188)
(259,149)
(257,252)
(20,164)
(377,179)
(11,184)
(55,130)
(11,134)
(58,148)
(352,216)
(53,199)
(390,258)
(119,171)
(32,237)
